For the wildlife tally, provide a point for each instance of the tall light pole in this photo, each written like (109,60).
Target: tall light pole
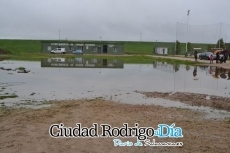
(220,35)
(140,36)
(187,32)
(176,39)
(59,35)
(203,34)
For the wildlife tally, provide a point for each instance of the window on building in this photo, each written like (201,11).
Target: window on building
(114,49)
(80,48)
(94,49)
(49,48)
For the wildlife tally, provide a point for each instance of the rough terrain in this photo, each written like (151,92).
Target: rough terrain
(27,130)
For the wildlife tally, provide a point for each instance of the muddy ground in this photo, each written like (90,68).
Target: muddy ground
(27,130)
(216,102)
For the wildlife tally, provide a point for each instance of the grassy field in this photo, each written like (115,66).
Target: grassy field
(34,46)
(19,46)
(31,50)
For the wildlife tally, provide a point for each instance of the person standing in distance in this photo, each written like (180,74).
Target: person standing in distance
(211,58)
(195,55)
(217,57)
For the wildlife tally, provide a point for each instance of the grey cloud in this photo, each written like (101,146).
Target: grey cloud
(113,20)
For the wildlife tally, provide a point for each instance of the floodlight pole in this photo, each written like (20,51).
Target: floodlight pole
(203,35)
(187,33)
(140,36)
(176,39)
(225,41)
(220,35)
(59,35)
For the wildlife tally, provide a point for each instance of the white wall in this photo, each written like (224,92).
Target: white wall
(161,50)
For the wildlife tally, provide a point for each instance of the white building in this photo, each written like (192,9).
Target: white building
(161,50)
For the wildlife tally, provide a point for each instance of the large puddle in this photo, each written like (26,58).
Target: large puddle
(61,78)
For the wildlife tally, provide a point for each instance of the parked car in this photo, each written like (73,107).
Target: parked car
(77,52)
(58,59)
(206,55)
(58,51)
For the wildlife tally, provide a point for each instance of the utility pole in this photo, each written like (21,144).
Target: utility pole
(59,35)
(140,36)
(156,48)
(203,35)
(59,39)
(220,35)
(187,32)
(176,39)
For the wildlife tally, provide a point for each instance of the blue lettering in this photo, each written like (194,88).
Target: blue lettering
(178,132)
(161,133)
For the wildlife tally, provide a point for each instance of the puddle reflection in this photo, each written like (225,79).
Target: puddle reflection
(82,63)
(214,71)
(115,81)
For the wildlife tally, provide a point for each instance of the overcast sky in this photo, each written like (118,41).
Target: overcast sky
(126,20)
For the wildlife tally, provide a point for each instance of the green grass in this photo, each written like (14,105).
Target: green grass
(130,47)
(21,68)
(21,46)
(138,47)
(8,96)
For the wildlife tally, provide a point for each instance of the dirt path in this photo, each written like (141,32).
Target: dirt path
(27,130)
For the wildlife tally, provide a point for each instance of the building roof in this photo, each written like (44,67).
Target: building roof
(82,41)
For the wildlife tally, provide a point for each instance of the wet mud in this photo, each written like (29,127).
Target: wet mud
(194,99)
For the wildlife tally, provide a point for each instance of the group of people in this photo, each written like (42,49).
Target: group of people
(221,59)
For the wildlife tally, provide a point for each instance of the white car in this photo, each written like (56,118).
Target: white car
(58,59)
(58,51)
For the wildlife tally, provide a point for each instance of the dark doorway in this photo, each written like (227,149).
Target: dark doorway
(104,62)
(104,48)
(99,50)
(70,48)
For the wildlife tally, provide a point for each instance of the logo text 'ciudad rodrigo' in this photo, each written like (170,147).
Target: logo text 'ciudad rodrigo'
(142,133)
